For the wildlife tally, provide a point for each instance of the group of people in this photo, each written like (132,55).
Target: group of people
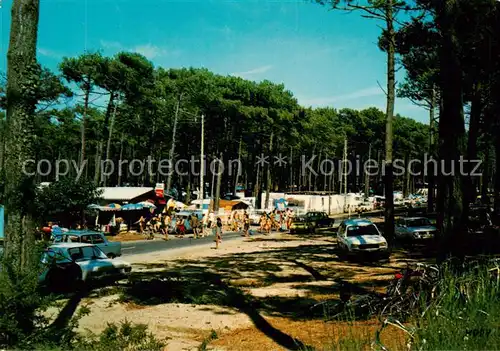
(275,220)
(209,223)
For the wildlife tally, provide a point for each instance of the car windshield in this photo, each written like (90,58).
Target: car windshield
(418,222)
(50,254)
(98,253)
(355,230)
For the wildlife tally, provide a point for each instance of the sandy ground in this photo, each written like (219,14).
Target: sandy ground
(195,291)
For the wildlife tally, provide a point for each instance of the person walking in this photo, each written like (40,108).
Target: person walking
(181,227)
(204,223)
(218,232)
(211,221)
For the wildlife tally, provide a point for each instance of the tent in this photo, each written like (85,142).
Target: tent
(104,208)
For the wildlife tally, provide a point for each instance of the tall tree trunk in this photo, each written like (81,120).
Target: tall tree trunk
(475,115)
(451,129)
(486,173)
(110,137)
(406,186)
(97,163)
(391,93)
(84,122)
(497,174)
(268,178)
(290,164)
(172,149)
(188,189)
(219,179)
(120,160)
(237,177)
(430,176)
(317,173)
(2,142)
(19,187)
(104,135)
(309,175)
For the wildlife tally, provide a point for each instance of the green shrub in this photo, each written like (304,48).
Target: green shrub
(465,315)
(23,324)
(125,337)
(21,307)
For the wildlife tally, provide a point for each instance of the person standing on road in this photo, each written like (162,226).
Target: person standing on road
(246,224)
(211,222)
(218,232)
(166,225)
(204,222)
(181,227)
(262,223)
(194,225)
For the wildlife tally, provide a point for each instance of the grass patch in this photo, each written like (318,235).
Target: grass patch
(466,314)
(213,336)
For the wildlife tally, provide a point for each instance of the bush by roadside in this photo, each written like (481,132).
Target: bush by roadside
(23,324)
(462,314)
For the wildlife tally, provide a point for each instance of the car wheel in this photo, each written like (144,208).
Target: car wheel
(64,278)
(111,255)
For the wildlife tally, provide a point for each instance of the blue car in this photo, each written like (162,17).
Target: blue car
(415,228)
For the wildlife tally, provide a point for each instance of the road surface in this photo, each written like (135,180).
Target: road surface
(148,246)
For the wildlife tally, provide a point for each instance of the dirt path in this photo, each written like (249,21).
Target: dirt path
(251,294)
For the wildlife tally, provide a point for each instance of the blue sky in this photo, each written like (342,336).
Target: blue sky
(326,58)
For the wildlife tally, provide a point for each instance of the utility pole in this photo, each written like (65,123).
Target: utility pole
(172,149)
(367,181)
(202,161)
(345,171)
(237,178)
(268,177)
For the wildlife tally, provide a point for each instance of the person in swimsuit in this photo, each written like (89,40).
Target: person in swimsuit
(218,235)
(246,224)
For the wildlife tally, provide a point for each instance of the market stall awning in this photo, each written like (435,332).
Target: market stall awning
(124,193)
(103,208)
(232,205)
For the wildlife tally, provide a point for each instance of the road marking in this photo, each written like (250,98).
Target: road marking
(128,248)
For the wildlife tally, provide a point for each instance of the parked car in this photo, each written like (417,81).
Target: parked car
(365,206)
(319,220)
(111,249)
(414,228)
(361,236)
(479,220)
(300,224)
(68,264)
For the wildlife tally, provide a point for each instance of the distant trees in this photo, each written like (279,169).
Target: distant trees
(263,118)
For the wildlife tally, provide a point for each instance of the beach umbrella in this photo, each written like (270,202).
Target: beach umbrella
(146,204)
(131,207)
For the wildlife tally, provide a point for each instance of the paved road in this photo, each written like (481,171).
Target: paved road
(147,246)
